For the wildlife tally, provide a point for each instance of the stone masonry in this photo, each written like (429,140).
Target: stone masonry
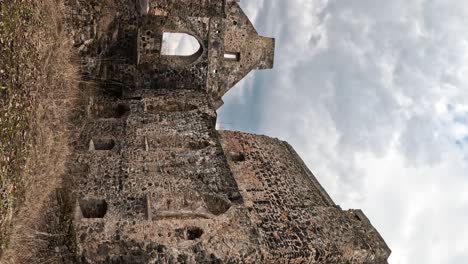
(150,178)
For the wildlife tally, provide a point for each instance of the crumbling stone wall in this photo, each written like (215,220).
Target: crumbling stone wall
(149,171)
(235,36)
(297,220)
(150,178)
(121,44)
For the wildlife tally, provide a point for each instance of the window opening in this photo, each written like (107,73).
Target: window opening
(179,44)
(216,205)
(237,156)
(194,233)
(102,144)
(233,56)
(93,208)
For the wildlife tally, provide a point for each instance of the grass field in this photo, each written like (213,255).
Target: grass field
(37,93)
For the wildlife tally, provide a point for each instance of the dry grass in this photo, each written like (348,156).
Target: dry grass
(38,94)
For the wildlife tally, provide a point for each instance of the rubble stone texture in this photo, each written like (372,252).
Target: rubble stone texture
(151,179)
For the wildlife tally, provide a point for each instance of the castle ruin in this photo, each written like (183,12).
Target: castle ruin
(153,181)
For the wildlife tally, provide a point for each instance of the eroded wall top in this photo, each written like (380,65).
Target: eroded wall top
(297,219)
(242,51)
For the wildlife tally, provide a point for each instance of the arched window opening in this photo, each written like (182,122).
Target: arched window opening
(179,44)
(232,56)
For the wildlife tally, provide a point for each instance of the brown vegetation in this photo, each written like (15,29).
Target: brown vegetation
(37,94)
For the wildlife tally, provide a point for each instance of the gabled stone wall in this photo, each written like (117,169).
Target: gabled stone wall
(150,178)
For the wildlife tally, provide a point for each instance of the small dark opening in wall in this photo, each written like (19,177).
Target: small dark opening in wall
(115,111)
(235,197)
(216,205)
(194,233)
(121,110)
(317,256)
(357,217)
(113,88)
(137,98)
(104,144)
(93,208)
(237,156)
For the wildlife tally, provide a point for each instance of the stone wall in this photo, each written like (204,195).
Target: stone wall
(121,45)
(235,50)
(187,8)
(297,220)
(149,158)
(152,181)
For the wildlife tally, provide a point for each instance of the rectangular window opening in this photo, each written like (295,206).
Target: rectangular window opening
(232,56)
(101,144)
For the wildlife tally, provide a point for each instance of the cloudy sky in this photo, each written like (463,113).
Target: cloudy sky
(373,95)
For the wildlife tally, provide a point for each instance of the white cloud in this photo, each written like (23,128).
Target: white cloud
(374,96)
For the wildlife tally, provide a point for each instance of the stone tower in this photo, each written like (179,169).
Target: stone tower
(152,181)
